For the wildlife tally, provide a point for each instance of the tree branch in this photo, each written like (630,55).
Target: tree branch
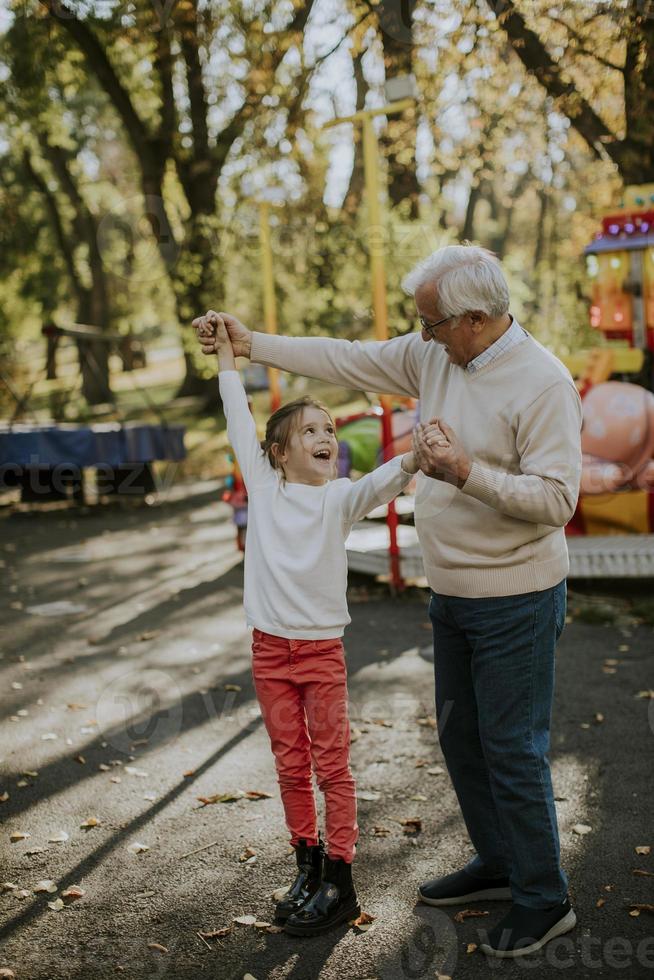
(103,70)
(581,45)
(537,60)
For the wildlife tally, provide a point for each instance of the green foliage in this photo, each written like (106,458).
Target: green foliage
(504,159)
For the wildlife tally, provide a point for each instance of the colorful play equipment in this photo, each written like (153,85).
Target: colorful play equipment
(616,380)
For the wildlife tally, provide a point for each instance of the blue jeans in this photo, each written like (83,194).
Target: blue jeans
(494,665)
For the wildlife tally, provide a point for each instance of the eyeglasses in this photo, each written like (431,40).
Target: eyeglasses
(430,327)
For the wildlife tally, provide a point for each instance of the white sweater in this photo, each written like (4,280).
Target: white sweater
(295,558)
(519,419)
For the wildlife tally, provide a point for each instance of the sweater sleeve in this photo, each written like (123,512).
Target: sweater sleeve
(548,440)
(242,431)
(374,489)
(390,366)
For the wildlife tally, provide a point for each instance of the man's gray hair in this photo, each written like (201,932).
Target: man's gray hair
(467,277)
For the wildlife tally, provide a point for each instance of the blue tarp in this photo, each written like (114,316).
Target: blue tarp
(108,444)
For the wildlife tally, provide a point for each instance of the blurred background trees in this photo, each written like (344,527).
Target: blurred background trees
(136,138)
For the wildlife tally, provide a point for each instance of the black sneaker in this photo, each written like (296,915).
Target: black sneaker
(526,930)
(462,887)
(309,873)
(334,903)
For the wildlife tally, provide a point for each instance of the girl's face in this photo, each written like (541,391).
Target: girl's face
(312,449)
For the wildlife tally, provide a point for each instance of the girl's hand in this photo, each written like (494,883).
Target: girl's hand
(439,452)
(212,333)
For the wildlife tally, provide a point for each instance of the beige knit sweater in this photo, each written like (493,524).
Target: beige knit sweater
(519,419)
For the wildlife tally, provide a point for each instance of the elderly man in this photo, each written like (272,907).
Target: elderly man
(500,466)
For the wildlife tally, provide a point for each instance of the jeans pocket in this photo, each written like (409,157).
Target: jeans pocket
(560,606)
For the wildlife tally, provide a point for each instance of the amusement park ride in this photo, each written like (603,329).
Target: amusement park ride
(610,534)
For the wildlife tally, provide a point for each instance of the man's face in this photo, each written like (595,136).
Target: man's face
(456,335)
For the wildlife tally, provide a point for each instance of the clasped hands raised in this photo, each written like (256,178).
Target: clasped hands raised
(438,451)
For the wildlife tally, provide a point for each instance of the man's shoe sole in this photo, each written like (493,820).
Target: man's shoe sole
(568,922)
(485,895)
(345,915)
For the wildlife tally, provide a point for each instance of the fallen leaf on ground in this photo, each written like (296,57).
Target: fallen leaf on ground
(469,914)
(80,759)
(257,794)
(103,767)
(35,850)
(216,933)
(6,973)
(419,763)
(59,838)
(91,822)
(643,849)
(188,773)
(382,722)
(8,886)
(471,947)
(644,874)
(380,831)
(232,687)
(599,903)
(262,924)
(611,662)
(599,717)
(162,949)
(363,922)
(274,930)
(57,905)
(4,797)
(75,706)
(245,920)
(638,908)
(19,835)
(22,893)
(138,848)
(411,825)
(368,796)
(419,798)
(279,894)
(148,635)
(428,722)
(247,855)
(248,976)
(221,798)
(436,770)
(46,885)
(74,891)
(581,829)
(609,888)
(115,779)
(645,695)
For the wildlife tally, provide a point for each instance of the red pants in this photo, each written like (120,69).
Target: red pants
(301,686)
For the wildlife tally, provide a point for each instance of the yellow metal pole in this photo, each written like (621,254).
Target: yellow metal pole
(376,229)
(269,306)
(376,246)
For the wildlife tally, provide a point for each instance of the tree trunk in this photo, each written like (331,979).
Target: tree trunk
(399,140)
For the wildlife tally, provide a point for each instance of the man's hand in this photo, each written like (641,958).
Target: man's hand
(212,334)
(439,453)
(239,335)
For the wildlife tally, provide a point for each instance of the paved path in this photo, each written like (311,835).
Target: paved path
(138,688)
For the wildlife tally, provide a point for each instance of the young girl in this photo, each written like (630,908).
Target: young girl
(294,597)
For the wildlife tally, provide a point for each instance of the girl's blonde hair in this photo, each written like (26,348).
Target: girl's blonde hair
(283,422)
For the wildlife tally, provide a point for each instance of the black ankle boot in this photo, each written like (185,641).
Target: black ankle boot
(309,864)
(334,902)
